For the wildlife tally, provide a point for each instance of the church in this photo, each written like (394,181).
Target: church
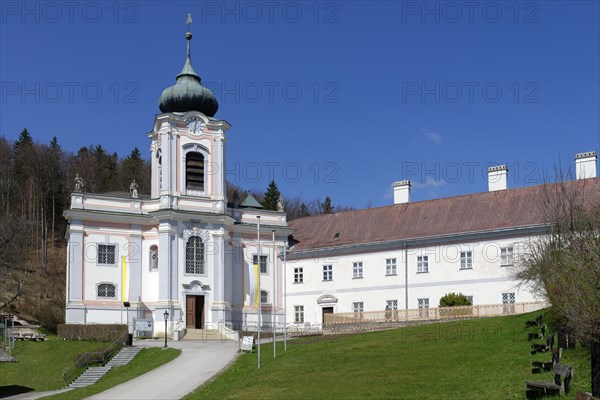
(189,257)
(185,255)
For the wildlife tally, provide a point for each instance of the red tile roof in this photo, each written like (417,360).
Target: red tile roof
(461,214)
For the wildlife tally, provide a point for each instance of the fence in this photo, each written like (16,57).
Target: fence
(432,314)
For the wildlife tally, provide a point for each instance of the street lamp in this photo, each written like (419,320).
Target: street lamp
(166,315)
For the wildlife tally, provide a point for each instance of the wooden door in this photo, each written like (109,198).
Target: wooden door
(327,310)
(190,311)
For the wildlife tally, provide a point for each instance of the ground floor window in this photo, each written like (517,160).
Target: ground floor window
(391,309)
(107,291)
(299,314)
(358,307)
(508,303)
(423,307)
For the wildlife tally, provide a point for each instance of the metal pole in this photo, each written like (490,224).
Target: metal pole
(258,284)
(273,299)
(166,332)
(406,280)
(284,299)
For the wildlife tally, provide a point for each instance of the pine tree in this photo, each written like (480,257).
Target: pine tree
(303,212)
(326,207)
(271,197)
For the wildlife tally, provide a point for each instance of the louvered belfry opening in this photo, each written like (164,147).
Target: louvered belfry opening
(194,171)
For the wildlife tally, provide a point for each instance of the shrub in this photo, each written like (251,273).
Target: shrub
(455,299)
(49,317)
(99,332)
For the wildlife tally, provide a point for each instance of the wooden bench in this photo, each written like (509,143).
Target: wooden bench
(537,335)
(537,322)
(562,379)
(543,347)
(541,366)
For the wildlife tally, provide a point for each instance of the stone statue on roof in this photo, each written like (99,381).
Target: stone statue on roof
(79,185)
(133,189)
(280,204)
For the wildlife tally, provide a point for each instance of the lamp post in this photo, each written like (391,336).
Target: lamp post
(166,315)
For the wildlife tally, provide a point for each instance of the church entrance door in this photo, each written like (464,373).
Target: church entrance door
(327,310)
(194,311)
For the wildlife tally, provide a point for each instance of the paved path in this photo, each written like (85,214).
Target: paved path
(198,362)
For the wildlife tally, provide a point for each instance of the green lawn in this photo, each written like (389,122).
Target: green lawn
(40,365)
(477,359)
(144,361)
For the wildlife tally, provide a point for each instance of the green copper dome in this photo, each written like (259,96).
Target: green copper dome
(188,94)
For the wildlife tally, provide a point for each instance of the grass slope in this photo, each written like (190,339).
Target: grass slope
(40,365)
(144,361)
(477,359)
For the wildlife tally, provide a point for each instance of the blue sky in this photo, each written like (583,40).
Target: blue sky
(329,98)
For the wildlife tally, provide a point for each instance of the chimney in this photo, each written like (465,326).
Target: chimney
(401,192)
(497,177)
(585,165)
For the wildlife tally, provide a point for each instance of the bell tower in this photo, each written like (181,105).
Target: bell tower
(188,143)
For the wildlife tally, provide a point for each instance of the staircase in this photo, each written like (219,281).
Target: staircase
(92,374)
(124,356)
(89,377)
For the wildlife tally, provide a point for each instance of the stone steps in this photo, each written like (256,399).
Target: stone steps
(92,374)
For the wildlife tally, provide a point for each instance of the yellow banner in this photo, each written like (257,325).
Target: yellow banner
(256,289)
(124,280)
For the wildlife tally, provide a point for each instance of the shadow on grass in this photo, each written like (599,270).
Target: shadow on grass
(11,390)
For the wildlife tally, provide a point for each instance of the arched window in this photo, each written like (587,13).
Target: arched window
(194,171)
(153,257)
(106,291)
(194,256)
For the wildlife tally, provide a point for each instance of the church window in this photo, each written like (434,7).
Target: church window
(106,253)
(194,256)
(194,171)
(106,291)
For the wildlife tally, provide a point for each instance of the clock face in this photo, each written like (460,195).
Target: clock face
(195,125)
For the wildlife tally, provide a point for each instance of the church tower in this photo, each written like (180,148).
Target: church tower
(188,176)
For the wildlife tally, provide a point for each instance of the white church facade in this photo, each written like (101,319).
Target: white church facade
(185,250)
(189,253)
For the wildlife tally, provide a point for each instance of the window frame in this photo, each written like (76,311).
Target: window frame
(328,273)
(299,314)
(115,254)
(203,259)
(115,287)
(190,190)
(264,293)
(358,307)
(391,266)
(357,270)
(299,275)
(423,305)
(466,259)
(508,259)
(264,258)
(422,264)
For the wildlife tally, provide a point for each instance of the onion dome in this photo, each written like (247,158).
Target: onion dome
(188,94)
